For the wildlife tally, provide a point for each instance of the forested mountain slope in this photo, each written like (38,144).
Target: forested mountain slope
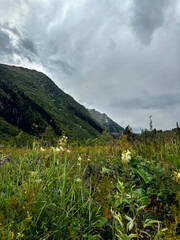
(32,102)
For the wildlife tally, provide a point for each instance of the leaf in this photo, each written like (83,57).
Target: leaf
(141,196)
(147,177)
(130,224)
(132,235)
(150,223)
(101,221)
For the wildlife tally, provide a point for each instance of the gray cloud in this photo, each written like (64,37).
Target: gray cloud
(161,101)
(148,16)
(65,67)
(5,43)
(120,58)
(13,43)
(28,44)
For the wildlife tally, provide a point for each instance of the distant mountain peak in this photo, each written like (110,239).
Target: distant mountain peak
(106,122)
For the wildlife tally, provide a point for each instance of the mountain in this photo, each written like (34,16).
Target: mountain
(32,102)
(106,122)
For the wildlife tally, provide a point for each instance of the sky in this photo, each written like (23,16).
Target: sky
(120,57)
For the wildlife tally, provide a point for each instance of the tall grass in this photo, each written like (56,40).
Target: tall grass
(90,192)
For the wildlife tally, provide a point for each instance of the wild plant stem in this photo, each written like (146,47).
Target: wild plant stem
(132,204)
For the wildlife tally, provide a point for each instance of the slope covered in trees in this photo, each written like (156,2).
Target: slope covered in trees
(32,102)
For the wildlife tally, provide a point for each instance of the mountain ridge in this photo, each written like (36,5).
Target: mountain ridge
(31,101)
(107,122)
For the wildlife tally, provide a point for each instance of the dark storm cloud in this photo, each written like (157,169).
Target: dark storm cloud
(147,17)
(5,43)
(121,57)
(13,43)
(28,44)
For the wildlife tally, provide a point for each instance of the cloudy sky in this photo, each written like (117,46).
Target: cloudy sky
(121,57)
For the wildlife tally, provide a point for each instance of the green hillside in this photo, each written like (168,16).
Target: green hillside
(32,102)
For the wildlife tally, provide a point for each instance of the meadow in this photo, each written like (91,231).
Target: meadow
(120,190)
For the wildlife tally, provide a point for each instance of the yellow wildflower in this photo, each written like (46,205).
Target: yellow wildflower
(11,235)
(177,176)
(42,149)
(29,217)
(105,170)
(33,174)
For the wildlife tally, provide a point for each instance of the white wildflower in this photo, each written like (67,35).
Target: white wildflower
(61,148)
(57,149)
(78,180)
(126,156)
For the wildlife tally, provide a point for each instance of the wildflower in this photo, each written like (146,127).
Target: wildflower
(105,170)
(61,148)
(38,180)
(11,235)
(126,156)
(79,161)
(68,151)
(28,219)
(147,230)
(20,235)
(52,148)
(78,180)
(177,176)
(42,149)
(33,174)
(57,150)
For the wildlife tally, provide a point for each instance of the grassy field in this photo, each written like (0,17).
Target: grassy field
(117,191)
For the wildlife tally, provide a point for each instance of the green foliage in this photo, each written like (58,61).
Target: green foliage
(30,101)
(89,192)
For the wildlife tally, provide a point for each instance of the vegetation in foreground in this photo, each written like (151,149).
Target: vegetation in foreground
(117,191)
